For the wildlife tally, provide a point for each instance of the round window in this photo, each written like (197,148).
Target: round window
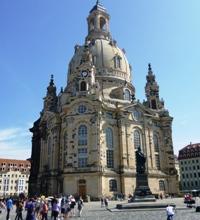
(82,109)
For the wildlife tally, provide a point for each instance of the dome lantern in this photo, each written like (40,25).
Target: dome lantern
(98,23)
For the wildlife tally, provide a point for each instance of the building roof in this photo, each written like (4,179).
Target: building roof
(190,151)
(98,7)
(2,160)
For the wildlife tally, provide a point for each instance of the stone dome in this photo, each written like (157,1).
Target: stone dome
(108,59)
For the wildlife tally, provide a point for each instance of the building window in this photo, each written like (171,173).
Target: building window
(161,185)
(82,135)
(82,109)
(127,95)
(110,158)
(94,60)
(109,146)
(83,86)
(156,143)
(117,61)
(102,24)
(82,157)
(109,138)
(153,104)
(113,185)
(137,140)
(49,145)
(65,148)
(136,115)
(92,24)
(109,115)
(157,160)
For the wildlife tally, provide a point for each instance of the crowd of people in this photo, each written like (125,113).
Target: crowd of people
(41,208)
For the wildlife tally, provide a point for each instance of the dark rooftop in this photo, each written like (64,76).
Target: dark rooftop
(190,151)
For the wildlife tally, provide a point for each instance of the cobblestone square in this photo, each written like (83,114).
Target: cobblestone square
(93,211)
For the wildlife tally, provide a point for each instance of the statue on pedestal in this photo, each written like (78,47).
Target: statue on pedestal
(140,161)
(142,191)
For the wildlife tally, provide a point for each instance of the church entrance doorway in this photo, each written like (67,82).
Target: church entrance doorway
(82,188)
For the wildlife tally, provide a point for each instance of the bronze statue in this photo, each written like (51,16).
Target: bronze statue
(140,161)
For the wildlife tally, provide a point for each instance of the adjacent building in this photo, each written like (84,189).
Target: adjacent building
(189,163)
(85,139)
(14,176)
(177,167)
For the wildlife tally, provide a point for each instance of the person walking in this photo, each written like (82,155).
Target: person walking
(102,203)
(80,206)
(19,209)
(30,207)
(55,209)
(67,209)
(72,205)
(2,205)
(9,206)
(44,210)
(106,202)
(170,212)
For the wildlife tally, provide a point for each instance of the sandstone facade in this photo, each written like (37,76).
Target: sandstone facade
(85,140)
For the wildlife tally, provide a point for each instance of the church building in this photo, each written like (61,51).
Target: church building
(85,139)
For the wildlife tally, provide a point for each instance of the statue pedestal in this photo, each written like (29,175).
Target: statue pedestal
(142,191)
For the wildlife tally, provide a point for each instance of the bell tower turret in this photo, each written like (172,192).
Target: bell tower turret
(50,101)
(98,23)
(152,91)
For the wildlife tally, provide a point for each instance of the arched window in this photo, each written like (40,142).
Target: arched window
(82,142)
(82,157)
(102,24)
(109,138)
(83,86)
(137,140)
(109,146)
(49,145)
(94,60)
(153,104)
(156,143)
(65,149)
(92,24)
(156,150)
(161,185)
(117,61)
(127,94)
(157,161)
(113,185)
(82,135)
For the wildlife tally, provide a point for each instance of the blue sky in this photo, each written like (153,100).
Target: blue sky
(37,39)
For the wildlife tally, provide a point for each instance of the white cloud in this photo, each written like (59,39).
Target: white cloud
(15,143)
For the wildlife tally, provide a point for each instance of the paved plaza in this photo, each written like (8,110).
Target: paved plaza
(93,211)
